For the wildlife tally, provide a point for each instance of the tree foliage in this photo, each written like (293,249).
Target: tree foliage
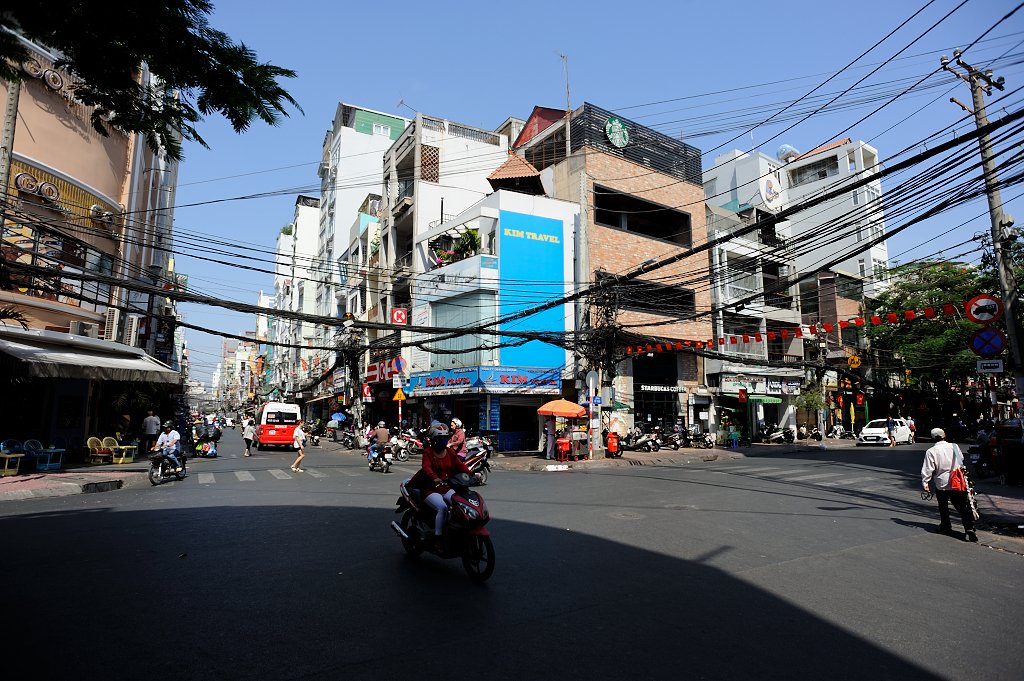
(201,71)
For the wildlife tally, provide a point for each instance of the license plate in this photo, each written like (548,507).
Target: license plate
(273,432)
(388,456)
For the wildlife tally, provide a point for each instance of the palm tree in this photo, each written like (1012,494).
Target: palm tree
(13,314)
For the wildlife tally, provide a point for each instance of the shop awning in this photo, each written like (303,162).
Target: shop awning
(48,354)
(768,399)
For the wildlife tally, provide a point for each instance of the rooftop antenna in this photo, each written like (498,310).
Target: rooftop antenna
(401,103)
(568,107)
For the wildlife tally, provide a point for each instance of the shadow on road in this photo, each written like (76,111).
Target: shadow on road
(325,592)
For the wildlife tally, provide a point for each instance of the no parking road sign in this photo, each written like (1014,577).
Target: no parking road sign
(984,309)
(987,343)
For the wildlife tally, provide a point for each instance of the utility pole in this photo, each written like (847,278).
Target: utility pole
(7,141)
(568,107)
(982,84)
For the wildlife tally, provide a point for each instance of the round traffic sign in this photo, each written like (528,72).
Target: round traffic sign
(987,342)
(853,361)
(398,364)
(984,309)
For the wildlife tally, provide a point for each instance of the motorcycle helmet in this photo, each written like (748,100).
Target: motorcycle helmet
(380,424)
(168,424)
(438,435)
(456,423)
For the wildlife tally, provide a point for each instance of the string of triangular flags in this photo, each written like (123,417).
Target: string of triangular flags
(946,309)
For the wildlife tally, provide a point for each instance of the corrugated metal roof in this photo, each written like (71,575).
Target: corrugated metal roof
(824,148)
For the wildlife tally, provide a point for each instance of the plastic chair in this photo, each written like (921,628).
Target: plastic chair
(58,442)
(13,446)
(44,457)
(119,453)
(97,452)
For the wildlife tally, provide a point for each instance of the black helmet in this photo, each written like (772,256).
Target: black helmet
(168,424)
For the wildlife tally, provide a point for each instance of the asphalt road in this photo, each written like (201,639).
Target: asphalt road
(816,566)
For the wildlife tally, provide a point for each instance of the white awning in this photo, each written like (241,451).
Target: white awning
(47,354)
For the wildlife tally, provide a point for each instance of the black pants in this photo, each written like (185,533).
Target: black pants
(961,505)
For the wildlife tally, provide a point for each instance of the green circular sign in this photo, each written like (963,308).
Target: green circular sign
(616,132)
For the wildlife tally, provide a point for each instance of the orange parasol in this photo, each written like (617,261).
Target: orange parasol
(563,408)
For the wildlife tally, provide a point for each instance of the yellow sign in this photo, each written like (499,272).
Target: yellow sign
(853,361)
(399,396)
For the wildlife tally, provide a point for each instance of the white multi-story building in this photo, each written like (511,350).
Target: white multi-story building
(738,179)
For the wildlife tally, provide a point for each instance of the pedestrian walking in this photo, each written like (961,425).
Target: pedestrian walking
(248,434)
(549,428)
(299,442)
(941,469)
(151,426)
(890,428)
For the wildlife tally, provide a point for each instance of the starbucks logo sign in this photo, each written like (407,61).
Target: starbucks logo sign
(616,132)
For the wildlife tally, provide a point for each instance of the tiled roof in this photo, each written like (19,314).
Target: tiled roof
(824,148)
(515,166)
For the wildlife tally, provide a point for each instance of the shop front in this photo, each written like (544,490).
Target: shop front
(770,399)
(498,401)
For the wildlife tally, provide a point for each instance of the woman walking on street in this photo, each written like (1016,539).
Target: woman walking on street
(248,434)
(300,444)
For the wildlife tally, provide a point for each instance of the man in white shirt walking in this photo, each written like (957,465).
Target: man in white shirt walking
(151,425)
(939,463)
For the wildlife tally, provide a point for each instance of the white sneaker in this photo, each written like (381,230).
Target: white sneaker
(177,470)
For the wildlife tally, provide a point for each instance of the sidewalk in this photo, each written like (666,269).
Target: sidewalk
(1000,504)
(73,479)
(664,457)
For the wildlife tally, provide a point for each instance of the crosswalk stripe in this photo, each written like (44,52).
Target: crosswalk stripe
(351,475)
(279,474)
(753,470)
(233,456)
(838,483)
(206,478)
(316,474)
(244,476)
(788,471)
(814,477)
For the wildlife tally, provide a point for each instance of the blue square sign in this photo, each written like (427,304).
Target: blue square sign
(597,399)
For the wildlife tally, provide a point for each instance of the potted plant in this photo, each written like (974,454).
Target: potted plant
(468,243)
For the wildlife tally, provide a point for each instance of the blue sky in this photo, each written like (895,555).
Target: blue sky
(479,63)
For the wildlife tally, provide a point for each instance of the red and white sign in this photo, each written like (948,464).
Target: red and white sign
(379,371)
(399,316)
(984,309)
(367,393)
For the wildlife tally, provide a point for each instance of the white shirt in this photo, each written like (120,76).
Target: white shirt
(168,440)
(152,424)
(939,462)
(300,438)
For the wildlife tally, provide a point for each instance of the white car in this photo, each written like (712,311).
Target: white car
(875,433)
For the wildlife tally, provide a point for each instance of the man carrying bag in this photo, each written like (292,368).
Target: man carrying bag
(943,467)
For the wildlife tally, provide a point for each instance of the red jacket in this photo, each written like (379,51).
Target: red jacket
(433,467)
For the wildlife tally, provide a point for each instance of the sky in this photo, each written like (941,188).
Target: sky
(722,65)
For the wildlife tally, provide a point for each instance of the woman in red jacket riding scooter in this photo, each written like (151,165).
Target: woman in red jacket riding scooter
(439,463)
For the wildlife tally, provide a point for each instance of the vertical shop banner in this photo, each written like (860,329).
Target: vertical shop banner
(495,413)
(482,421)
(532,249)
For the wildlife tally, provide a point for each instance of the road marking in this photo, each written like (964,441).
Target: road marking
(233,456)
(316,474)
(754,470)
(788,471)
(206,478)
(837,483)
(279,474)
(244,476)
(815,477)
(351,475)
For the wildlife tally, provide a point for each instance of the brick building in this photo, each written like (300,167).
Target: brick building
(644,202)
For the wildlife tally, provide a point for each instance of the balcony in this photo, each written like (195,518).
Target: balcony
(784,358)
(778,300)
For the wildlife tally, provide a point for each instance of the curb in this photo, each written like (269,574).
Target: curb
(76,484)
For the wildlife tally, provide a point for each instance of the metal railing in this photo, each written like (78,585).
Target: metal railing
(433,124)
(474,134)
(778,300)
(782,357)
(444,218)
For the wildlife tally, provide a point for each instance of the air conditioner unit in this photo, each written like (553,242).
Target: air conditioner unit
(131,330)
(111,323)
(85,329)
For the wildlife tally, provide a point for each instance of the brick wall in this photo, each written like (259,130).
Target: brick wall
(617,251)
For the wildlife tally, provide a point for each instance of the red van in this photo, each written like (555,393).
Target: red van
(276,424)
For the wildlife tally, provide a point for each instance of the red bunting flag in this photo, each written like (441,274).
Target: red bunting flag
(798,332)
(843,324)
(757,337)
(876,320)
(827,327)
(629,350)
(814,330)
(929,312)
(891,316)
(649,348)
(785,334)
(721,341)
(732,340)
(658,346)
(948,309)
(746,338)
(909,314)
(858,321)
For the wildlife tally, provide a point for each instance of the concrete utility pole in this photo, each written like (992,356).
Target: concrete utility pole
(7,141)
(982,84)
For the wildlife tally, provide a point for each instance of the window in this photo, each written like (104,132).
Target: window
(860,266)
(631,214)
(644,296)
(856,197)
(709,188)
(851,159)
(812,172)
(872,194)
(379,129)
(880,267)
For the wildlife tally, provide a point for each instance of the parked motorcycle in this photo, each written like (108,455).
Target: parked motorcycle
(477,459)
(639,441)
(161,468)
(695,438)
(840,433)
(464,534)
(348,439)
(313,434)
(672,439)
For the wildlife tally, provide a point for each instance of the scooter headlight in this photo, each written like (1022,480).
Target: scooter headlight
(470,512)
